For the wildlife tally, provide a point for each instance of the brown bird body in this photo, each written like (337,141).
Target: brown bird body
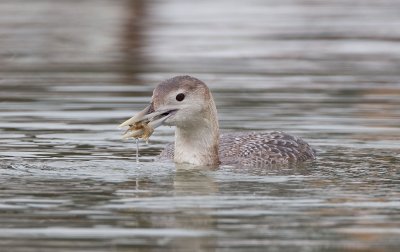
(256,149)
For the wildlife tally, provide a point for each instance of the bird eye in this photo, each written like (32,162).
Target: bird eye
(180,97)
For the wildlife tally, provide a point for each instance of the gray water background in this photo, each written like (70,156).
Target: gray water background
(71,71)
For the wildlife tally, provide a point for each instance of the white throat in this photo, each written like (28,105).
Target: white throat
(198,143)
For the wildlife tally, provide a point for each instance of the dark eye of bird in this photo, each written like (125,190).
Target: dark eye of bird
(180,97)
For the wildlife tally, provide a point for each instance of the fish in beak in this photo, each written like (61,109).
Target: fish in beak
(142,125)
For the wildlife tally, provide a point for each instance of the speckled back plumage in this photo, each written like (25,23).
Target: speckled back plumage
(257,149)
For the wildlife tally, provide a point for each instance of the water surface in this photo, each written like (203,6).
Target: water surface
(70,72)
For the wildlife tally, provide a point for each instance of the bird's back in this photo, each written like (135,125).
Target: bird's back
(257,149)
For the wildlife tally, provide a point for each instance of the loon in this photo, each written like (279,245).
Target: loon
(187,103)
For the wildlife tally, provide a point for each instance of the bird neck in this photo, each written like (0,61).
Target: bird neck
(197,143)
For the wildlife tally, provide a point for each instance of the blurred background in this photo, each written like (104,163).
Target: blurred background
(71,71)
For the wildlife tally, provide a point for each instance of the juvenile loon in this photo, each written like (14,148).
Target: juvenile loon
(186,103)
